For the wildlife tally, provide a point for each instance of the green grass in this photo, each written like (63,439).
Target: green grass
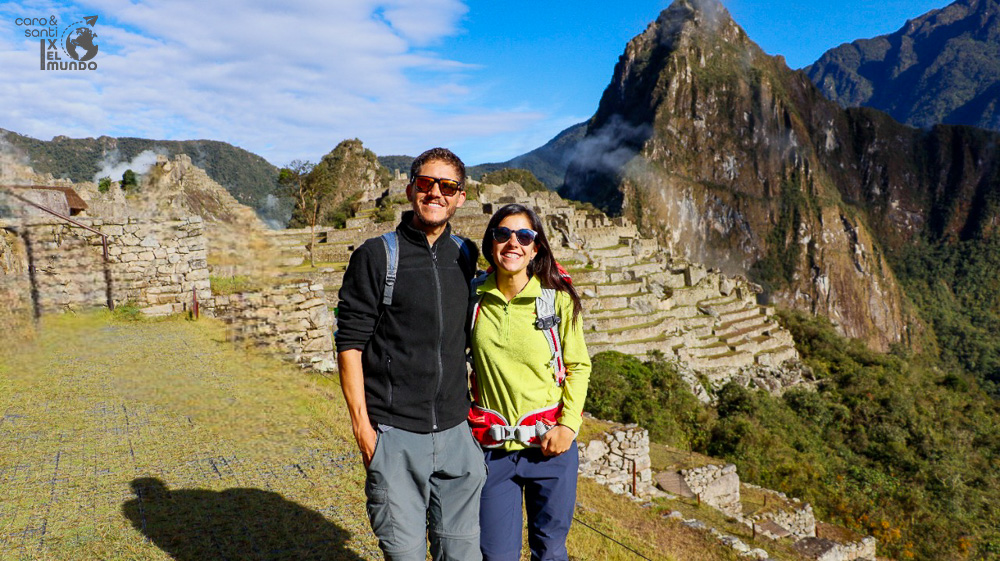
(249,454)
(234,284)
(160,439)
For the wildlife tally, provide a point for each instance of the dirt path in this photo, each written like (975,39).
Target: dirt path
(159,440)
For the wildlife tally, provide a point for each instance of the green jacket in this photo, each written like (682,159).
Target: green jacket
(511,357)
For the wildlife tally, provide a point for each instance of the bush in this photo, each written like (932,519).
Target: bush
(104,184)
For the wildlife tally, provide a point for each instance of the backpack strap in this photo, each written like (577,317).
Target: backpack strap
(391,265)
(475,299)
(548,322)
(464,254)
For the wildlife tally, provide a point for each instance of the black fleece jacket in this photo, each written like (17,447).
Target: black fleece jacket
(413,351)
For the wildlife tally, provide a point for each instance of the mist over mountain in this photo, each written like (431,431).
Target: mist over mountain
(942,67)
(249,178)
(737,161)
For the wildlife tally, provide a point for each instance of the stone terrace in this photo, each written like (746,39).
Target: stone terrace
(638,299)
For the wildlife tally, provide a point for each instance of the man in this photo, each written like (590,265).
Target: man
(403,373)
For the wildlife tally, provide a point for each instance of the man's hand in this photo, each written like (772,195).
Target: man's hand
(557,440)
(352,381)
(367,439)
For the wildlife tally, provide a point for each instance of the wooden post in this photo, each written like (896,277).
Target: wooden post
(635,491)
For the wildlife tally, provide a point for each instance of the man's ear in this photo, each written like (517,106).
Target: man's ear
(409,191)
(461,198)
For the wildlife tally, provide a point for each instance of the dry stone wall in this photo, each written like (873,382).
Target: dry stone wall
(158,265)
(620,461)
(718,486)
(293,320)
(16,311)
(796,517)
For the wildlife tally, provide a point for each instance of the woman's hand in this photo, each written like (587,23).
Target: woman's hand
(557,440)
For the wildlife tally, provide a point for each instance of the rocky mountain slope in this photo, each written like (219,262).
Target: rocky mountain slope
(247,176)
(943,67)
(736,161)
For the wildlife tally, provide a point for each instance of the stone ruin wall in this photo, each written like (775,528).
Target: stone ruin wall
(157,265)
(16,313)
(160,266)
(799,520)
(717,486)
(292,319)
(620,461)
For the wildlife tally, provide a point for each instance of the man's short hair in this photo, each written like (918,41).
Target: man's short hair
(440,154)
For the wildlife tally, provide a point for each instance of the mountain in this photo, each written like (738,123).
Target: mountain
(943,67)
(548,162)
(249,178)
(734,160)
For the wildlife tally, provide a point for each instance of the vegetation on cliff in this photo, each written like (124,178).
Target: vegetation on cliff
(899,446)
(334,184)
(522,177)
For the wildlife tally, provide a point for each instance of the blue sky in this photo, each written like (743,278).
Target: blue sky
(489,79)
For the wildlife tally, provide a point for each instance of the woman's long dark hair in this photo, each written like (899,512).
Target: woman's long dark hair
(544,264)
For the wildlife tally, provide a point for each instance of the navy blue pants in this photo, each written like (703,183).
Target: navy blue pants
(549,489)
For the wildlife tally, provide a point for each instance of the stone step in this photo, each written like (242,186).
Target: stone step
(722,304)
(639,349)
(586,276)
(668,278)
(619,288)
(592,303)
(730,359)
(693,295)
(706,350)
(681,312)
(647,330)
(724,329)
(612,321)
(644,269)
(754,330)
(614,251)
(622,261)
(333,253)
(742,313)
(774,357)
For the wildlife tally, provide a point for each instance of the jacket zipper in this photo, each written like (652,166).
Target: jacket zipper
(440,312)
(388,369)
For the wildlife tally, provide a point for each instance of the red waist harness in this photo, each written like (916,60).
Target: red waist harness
(491,429)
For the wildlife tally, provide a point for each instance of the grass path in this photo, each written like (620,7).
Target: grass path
(156,440)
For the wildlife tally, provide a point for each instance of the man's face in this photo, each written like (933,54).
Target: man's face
(432,209)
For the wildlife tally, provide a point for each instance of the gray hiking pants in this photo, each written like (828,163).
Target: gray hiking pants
(422,486)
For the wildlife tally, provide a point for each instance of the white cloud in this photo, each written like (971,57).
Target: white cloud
(285,82)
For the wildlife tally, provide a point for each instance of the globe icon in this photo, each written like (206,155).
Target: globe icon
(81,39)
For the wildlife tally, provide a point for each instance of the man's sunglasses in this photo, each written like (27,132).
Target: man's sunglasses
(424,184)
(524,236)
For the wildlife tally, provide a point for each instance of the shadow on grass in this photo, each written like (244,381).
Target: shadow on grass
(198,524)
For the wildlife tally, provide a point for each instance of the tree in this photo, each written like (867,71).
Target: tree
(104,184)
(130,182)
(298,181)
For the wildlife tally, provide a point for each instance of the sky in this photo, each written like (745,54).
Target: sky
(488,79)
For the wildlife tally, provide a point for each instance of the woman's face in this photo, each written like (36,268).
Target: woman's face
(512,258)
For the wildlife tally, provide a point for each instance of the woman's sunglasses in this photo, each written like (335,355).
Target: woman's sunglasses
(524,236)
(424,184)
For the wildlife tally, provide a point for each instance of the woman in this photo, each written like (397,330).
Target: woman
(531,415)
